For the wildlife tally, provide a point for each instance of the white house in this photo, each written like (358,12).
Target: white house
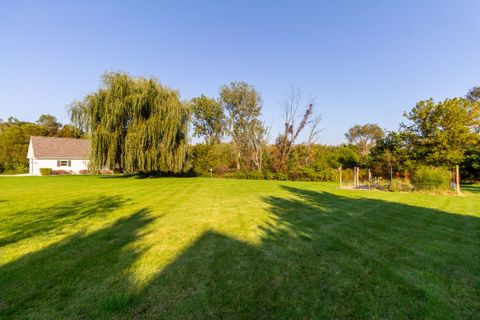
(66,154)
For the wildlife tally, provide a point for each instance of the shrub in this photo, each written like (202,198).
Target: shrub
(252,175)
(431,178)
(45,171)
(220,157)
(61,172)
(221,170)
(84,171)
(280,176)
(310,173)
(13,168)
(300,174)
(269,175)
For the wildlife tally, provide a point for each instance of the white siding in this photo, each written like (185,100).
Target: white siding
(30,154)
(76,165)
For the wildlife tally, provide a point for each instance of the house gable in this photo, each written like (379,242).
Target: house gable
(30,153)
(58,148)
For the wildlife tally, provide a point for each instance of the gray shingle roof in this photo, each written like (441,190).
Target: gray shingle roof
(52,147)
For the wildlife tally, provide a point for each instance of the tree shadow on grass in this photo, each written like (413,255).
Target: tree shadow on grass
(73,278)
(323,256)
(146,176)
(327,256)
(41,221)
(44,220)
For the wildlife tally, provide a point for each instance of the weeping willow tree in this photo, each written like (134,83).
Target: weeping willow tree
(136,125)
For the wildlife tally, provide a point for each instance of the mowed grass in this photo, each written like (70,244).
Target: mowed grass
(85,247)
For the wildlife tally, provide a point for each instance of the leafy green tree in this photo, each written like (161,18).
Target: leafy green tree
(345,155)
(14,139)
(243,105)
(470,167)
(208,119)
(364,137)
(474,94)
(68,131)
(440,133)
(220,158)
(136,125)
(50,124)
(390,154)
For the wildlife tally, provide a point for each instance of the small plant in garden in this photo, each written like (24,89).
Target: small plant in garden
(399,185)
(432,178)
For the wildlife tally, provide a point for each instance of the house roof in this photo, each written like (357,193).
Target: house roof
(52,147)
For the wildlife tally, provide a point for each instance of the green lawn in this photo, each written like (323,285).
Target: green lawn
(111,247)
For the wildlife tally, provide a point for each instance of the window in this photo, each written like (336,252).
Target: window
(64,163)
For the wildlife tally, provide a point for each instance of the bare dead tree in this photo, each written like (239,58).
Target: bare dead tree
(290,105)
(314,132)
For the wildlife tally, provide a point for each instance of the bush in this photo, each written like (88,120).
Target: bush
(220,170)
(46,171)
(300,174)
(219,157)
(310,173)
(280,176)
(60,172)
(432,178)
(251,175)
(14,168)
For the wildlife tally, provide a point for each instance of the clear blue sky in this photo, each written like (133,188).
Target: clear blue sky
(363,61)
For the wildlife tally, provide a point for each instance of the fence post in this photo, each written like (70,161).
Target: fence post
(369,179)
(354,171)
(340,169)
(354,177)
(358,176)
(457,179)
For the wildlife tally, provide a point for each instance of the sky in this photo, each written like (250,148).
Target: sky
(361,61)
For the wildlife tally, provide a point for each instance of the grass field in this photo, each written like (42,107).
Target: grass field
(112,247)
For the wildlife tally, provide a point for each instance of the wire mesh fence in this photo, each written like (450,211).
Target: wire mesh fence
(366,178)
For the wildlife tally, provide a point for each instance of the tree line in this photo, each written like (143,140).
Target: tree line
(137,125)
(15,135)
